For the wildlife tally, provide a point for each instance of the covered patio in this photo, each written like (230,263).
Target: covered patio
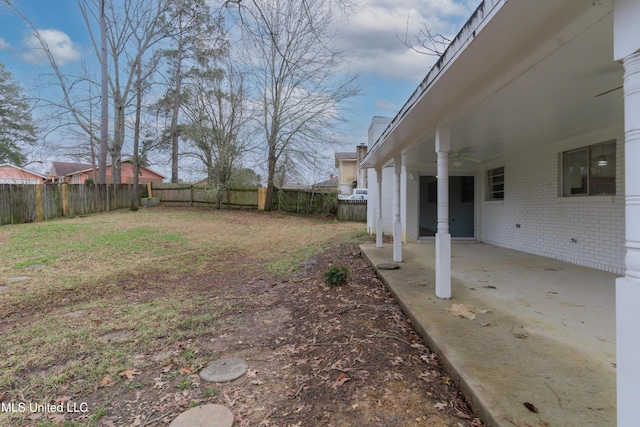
(547,338)
(525,135)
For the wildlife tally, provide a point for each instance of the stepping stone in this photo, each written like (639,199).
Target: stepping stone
(205,416)
(35,267)
(388,266)
(19,278)
(3,288)
(223,370)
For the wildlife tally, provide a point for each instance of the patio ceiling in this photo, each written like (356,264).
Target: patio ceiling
(530,72)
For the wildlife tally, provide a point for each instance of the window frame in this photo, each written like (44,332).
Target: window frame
(590,149)
(492,193)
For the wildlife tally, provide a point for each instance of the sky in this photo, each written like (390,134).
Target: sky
(371,39)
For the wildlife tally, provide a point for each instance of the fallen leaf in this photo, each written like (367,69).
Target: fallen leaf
(158,383)
(461,414)
(461,310)
(62,399)
(440,406)
(252,373)
(342,378)
(57,418)
(129,373)
(167,368)
(106,381)
(531,407)
(3,395)
(186,370)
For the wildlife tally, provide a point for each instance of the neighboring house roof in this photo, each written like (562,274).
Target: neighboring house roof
(90,169)
(12,174)
(328,183)
(296,186)
(67,168)
(60,169)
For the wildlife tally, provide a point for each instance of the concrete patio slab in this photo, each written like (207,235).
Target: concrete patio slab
(546,342)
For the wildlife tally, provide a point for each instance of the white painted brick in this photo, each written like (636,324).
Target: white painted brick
(548,222)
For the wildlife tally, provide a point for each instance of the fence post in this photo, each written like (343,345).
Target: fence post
(149,188)
(39,214)
(262,198)
(65,201)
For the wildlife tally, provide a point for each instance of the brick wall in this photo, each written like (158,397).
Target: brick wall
(587,231)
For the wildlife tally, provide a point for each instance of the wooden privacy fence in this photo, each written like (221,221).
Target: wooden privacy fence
(298,201)
(352,210)
(306,201)
(202,195)
(20,203)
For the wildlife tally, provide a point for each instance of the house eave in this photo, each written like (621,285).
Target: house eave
(501,41)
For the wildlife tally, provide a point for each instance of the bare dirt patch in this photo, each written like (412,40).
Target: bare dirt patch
(317,355)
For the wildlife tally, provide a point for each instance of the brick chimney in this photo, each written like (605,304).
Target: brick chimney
(361,174)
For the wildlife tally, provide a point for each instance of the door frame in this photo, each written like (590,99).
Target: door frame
(476,204)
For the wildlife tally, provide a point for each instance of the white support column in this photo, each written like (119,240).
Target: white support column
(628,287)
(397,225)
(379,209)
(443,237)
(627,49)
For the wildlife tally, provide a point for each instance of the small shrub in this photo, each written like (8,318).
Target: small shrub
(336,276)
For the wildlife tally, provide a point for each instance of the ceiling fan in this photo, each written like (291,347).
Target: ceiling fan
(457,159)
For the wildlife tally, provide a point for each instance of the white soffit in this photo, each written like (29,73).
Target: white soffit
(530,72)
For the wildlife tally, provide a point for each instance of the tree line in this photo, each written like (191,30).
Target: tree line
(216,82)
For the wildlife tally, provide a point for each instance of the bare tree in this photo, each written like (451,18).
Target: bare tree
(104,99)
(132,31)
(129,30)
(67,103)
(426,42)
(293,69)
(216,126)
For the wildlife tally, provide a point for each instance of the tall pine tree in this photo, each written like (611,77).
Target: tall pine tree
(16,124)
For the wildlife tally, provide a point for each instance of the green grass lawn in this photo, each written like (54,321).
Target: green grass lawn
(151,278)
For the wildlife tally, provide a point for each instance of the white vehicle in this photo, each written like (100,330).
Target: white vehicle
(361,191)
(358,197)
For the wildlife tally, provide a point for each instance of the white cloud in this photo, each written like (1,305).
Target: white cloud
(372,37)
(59,44)
(386,105)
(4,45)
